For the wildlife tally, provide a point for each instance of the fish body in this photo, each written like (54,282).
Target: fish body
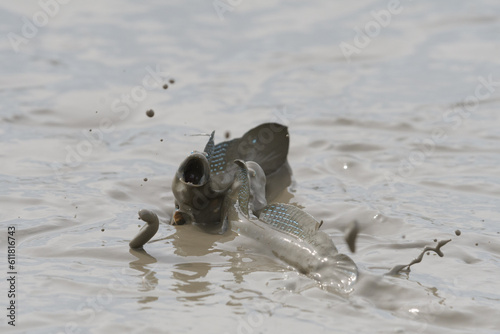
(290,233)
(229,185)
(204,178)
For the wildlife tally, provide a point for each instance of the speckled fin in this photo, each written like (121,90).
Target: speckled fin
(289,219)
(266,144)
(244,186)
(210,146)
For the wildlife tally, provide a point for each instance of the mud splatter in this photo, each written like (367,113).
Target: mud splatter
(406,267)
(150,113)
(351,235)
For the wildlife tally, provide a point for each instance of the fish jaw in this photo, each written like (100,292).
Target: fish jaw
(194,170)
(195,200)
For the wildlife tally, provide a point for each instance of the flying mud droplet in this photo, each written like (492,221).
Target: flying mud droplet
(102,230)
(171,81)
(227,134)
(406,267)
(145,179)
(351,235)
(165,86)
(150,113)
(161,139)
(457,232)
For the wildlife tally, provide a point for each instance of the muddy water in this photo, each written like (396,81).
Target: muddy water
(397,130)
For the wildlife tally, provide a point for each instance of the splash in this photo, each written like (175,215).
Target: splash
(406,267)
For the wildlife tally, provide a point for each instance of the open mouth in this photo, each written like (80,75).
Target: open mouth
(195,170)
(193,173)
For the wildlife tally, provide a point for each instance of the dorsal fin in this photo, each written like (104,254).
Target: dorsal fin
(289,219)
(267,145)
(209,147)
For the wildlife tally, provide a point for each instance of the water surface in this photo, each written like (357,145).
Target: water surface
(401,136)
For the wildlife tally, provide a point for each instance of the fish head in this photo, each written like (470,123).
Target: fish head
(195,199)
(190,187)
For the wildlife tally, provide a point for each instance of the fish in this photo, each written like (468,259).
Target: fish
(289,232)
(203,179)
(232,185)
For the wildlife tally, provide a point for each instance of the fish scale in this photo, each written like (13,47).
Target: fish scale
(283,217)
(290,219)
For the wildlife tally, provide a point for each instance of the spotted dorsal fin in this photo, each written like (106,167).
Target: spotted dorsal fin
(209,147)
(266,144)
(289,219)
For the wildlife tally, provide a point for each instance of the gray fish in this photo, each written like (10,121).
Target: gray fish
(216,188)
(204,178)
(289,232)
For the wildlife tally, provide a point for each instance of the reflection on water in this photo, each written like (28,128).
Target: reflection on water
(400,138)
(149,280)
(189,283)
